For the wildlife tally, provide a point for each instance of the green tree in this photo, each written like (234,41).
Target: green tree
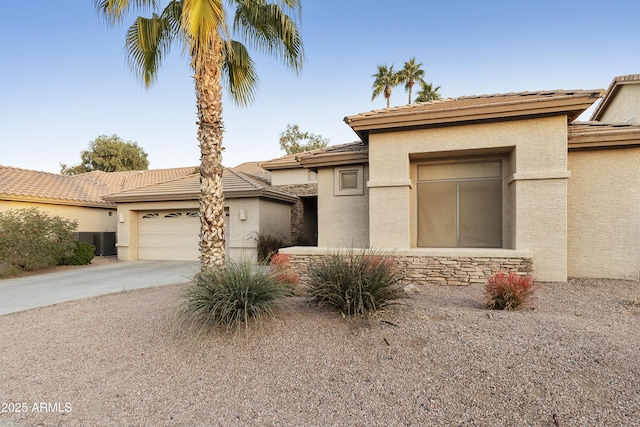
(428,93)
(109,154)
(291,140)
(410,74)
(385,79)
(204,30)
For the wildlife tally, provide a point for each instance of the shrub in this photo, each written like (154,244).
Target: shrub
(356,283)
(83,253)
(231,296)
(33,239)
(267,246)
(509,291)
(283,272)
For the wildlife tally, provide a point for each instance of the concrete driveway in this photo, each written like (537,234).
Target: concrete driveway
(23,293)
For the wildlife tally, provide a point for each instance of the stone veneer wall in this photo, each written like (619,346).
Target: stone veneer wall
(297,209)
(439,270)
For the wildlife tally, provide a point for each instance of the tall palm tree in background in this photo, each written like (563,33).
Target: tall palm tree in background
(428,93)
(385,79)
(201,27)
(410,74)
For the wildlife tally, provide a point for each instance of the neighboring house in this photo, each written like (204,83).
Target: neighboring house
(459,188)
(161,221)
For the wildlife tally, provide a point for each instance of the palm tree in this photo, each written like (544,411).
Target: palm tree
(428,93)
(410,74)
(202,28)
(385,79)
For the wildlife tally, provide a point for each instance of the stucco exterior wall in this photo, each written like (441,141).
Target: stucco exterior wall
(625,106)
(343,221)
(275,219)
(292,176)
(89,219)
(534,149)
(604,214)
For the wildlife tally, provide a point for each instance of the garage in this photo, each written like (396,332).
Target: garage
(168,235)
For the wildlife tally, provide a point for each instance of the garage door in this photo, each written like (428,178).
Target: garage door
(168,235)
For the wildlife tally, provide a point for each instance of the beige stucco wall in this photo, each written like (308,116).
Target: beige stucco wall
(535,150)
(343,221)
(604,213)
(261,216)
(292,176)
(89,219)
(625,106)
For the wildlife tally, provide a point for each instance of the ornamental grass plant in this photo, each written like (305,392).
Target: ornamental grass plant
(355,283)
(231,297)
(509,291)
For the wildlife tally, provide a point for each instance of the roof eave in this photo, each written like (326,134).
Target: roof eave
(64,202)
(571,105)
(608,138)
(334,159)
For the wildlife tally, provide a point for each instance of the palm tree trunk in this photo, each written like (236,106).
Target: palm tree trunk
(207,66)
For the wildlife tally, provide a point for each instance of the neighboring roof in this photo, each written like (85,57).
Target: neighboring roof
(350,153)
(344,154)
(126,180)
(42,187)
(84,189)
(611,91)
(254,169)
(589,135)
(470,109)
(235,185)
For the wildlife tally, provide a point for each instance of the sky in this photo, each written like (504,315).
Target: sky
(64,78)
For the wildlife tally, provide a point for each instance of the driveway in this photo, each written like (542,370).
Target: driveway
(23,293)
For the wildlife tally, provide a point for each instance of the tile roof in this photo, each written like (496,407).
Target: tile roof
(236,185)
(293,160)
(475,108)
(83,190)
(254,169)
(590,135)
(609,94)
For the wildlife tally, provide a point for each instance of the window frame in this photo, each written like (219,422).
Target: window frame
(339,189)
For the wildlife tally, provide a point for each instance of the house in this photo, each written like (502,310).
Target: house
(161,221)
(151,214)
(459,188)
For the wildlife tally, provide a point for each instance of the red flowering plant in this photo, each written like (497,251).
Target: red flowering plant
(282,270)
(509,291)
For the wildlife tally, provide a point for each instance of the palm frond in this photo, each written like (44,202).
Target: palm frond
(267,27)
(114,11)
(239,72)
(148,41)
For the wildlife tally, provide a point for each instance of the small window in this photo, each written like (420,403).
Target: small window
(150,215)
(173,215)
(349,181)
(193,214)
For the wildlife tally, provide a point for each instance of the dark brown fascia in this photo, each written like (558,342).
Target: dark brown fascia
(608,138)
(416,117)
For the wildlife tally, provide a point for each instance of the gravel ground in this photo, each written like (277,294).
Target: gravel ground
(440,360)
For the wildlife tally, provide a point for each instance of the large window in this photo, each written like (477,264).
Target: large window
(460,205)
